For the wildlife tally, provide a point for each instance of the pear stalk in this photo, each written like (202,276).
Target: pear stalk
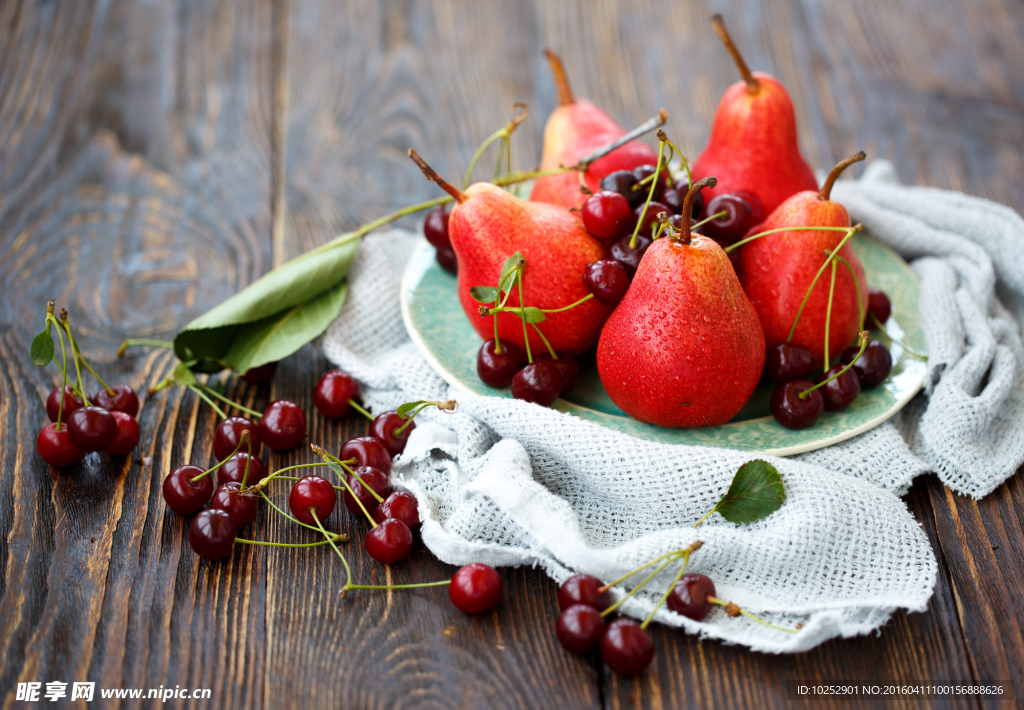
(753,85)
(565,97)
(431,174)
(826,189)
(684,235)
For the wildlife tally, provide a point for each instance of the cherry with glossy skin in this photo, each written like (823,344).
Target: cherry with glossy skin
(568,373)
(622,181)
(607,215)
(240,506)
(608,280)
(389,542)
(497,369)
(673,199)
(121,399)
(538,382)
(754,202)
(233,470)
(332,393)
(282,426)
(212,534)
(367,451)
(448,260)
(649,225)
(873,366)
(385,425)
(583,589)
(879,306)
(683,186)
(229,433)
(793,411)
(475,588)
(312,492)
(644,171)
(690,596)
(55,446)
(626,648)
(840,392)
(182,495)
(71,403)
(376,480)
(579,628)
(127,434)
(785,362)
(263,373)
(737,221)
(400,505)
(435,228)
(92,428)
(629,256)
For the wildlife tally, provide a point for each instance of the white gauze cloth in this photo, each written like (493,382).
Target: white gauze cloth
(506,482)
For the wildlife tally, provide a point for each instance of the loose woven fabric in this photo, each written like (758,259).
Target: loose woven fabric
(508,483)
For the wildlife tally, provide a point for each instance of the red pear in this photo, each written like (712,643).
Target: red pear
(777,270)
(486,226)
(574,130)
(684,347)
(753,144)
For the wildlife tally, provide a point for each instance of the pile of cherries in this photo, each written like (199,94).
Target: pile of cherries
(106,423)
(542,381)
(795,405)
(435,229)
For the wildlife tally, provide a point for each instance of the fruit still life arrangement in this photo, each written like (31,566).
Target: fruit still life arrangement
(678,296)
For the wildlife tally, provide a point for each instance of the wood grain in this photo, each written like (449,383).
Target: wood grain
(155,157)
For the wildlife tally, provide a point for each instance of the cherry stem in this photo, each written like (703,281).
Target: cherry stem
(245,473)
(642,584)
(849,233)
(338,537)
(348,571)
(497,341)
(863,345)
(664,597)
(692,548)
(297,522)
(828,313)
(64,382)
(457,194)
(753,85)
(805,228)
(143,341)
(361,506)
(526,335)
(856,284)
(551,350)
(446,406)
(691,195)
(395,586)
(654,186)
(242,439)
(359,408)
(74,356)
(209,401)
(706,516)
(236,405)
(565,97)
(581,173)
(909,350)
(826,189)
(686,165)
(333,462)
(720,602)
(519,309)
(78,353)
(277,474)
(505,132)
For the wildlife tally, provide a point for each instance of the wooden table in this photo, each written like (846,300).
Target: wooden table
(157,156)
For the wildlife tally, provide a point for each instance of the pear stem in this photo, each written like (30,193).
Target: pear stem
(684,235)
(753,85)
(826,189)
(431,174)
(565,97)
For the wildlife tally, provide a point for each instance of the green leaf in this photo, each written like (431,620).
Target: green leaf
(756,492)
(510,272)
(42,347)
(182,375)
(534,314)
(405,410)
(484,294)
(273,316)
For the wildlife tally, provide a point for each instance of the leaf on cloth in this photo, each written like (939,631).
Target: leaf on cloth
(274,316)
(756,492)
(42,347)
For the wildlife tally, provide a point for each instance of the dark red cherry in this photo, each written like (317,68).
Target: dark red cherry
(212,534)
(649,225)
(55,446)
(673,199)
(690,596)
(683,186)
(182,495)
(840,392)
(626,648)
(630,256)
(873,366)
(312,492)
(793,411)
(579,628)
(642,172)
(435,228)
(583,589)
(497,369)
(263,373)
(607,279)
(389,542)
(757,214)
(367,451)
(401,505)
(538,382)
(121,399)
(731,227)
(92,428)
(622,182)
(373,478)
(568,373)
(475,588)
(607,215)
(71,403)
(228,434)
(234,470)
(240,506)
(879,306)
(127,434)
(385,427)
(785,362)
(282,426)
(332,393)
(448,260)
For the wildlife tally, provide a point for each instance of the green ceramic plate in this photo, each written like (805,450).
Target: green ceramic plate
(439,329)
